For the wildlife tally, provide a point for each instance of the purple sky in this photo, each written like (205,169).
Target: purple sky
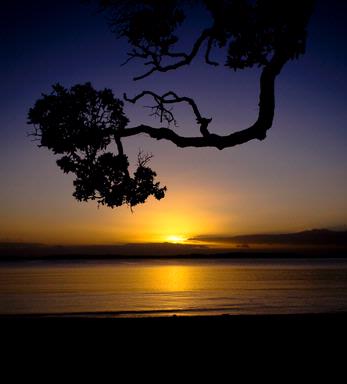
(294,180)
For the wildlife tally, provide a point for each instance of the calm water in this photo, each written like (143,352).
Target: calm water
(151,288)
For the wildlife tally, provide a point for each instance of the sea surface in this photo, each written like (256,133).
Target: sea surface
(134,288)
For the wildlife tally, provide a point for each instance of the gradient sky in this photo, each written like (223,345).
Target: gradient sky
(292,181)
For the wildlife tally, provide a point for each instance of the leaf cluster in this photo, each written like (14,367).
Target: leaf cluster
(81,123)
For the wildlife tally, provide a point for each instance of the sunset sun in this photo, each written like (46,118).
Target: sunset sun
(176,239)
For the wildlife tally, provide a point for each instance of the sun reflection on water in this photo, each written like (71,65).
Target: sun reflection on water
(172,278)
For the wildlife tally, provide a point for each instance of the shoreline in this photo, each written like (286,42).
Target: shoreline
(247,255)
(310,329)
(103,317)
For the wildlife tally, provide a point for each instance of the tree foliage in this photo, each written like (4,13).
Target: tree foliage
(82,124)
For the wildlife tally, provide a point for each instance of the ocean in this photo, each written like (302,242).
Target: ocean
(141,288)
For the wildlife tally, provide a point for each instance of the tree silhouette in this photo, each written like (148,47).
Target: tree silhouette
(82,122)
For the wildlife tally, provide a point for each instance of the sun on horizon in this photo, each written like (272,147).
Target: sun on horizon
(176,239)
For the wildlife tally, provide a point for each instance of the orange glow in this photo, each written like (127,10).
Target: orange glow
(175,239)
(174,220)
(171,278)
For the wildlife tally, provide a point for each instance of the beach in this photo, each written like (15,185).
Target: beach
(236,333)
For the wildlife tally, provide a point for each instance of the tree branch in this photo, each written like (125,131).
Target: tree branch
(257,131)
(186,58)
(208,52)
(172,98)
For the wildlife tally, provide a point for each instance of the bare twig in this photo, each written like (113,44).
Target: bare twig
(166,114)
(256,131)
(157,57)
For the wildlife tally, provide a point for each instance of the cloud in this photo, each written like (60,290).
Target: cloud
(315,237)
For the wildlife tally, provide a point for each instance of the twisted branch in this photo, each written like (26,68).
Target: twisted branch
(186,58)
(256,131)
(172,98)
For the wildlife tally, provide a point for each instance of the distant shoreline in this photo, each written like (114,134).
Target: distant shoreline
(249,255)
(316,243)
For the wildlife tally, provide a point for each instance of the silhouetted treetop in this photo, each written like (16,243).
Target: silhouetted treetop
(79,119)
(251,31)
(83,124)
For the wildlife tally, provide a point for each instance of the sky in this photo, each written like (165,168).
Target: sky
(294,180)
